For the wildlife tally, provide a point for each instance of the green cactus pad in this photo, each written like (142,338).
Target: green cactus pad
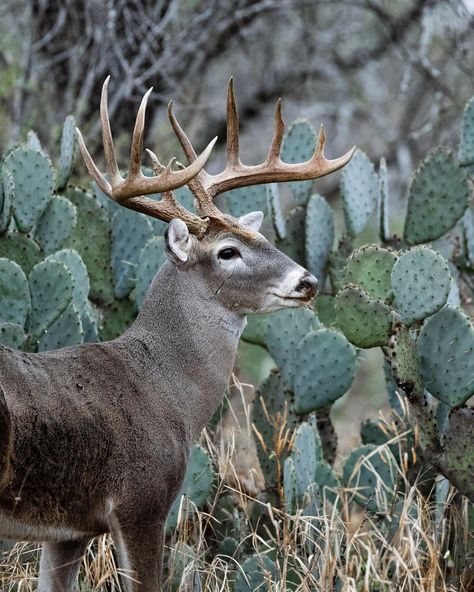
(466,144)
(255,574)
(68,149)
(55,224)
(370,267)
(324,368)
(255,330)
(21,249)
(325,308)
(91,238)
(437,198)
(33,142)
(90,320)
(468,231)
(328,482)
(72,260)
(183,575)
(338,261)
(446,351)
(130,233)
(247,199)
(151,258)
(51,290)
(366,323)
(12,335)
(290,485)
(273,401)
(403,359)
(117,317)
(274,205)
(306,452)
(459,449)
(66,330)
(421,283)
(7,194)
(33,175)
(293,244)
(383,211)
(371,472)
(14,293)
(298,145)
(319,236)
(285,330)
(197,484)
(360,190)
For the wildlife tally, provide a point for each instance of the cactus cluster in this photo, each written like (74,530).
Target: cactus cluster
(74,267)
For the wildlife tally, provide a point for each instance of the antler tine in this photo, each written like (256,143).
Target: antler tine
(107,138)
(181,135)
(275,148)
(232,127)
(134,169)
(91,166)
(155,163)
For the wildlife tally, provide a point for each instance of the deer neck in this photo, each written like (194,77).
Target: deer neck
(185,342)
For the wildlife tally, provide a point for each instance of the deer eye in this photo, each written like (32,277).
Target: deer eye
(228,253)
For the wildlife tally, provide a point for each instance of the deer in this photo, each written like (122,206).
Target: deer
(95,438)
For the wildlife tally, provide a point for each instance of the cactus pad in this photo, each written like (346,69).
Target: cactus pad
(151,258)
(360,191)
(273,403)
(319,236)
(293,244)
(306,452)
(51,289)
(459,448)
(324,368)
(255,574)
(33,176)
(366,323)
(401,353)
(421,282)
(130,233)
(290,485)
(446,351)
(437,198)
(68,148)
(197,484)
(298,146)
(466,144)
(274,205)
(285,330)
(327,481)
(371,472)
(370,268)
(66,330)
(247,199)
(383,211)
(91,238)
(72,260)
(117,317)
(12,335)
(55,224)
(14,293)
(21,249)
(7,194)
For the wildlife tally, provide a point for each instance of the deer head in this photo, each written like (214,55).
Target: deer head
(232,260)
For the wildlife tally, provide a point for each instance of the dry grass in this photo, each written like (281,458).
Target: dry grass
(405,551)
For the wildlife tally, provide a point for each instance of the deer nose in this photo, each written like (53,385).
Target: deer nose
(308,284)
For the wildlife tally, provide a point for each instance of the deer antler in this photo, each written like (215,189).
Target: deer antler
(129,192)
(206,187)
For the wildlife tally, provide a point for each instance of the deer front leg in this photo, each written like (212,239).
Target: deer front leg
(59,565)
(139,542)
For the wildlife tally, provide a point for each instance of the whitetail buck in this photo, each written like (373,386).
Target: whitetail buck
(95,438)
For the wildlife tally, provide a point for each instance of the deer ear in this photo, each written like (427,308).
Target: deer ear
(178,241)
(252,220)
